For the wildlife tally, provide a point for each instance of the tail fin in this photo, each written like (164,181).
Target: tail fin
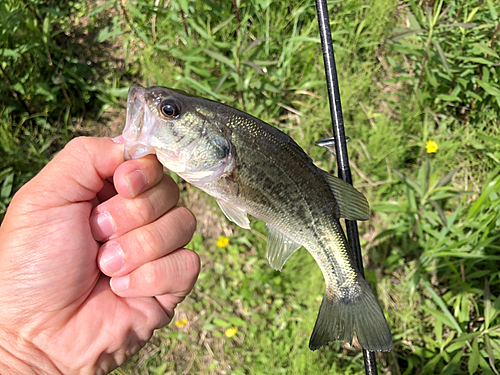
(339,317)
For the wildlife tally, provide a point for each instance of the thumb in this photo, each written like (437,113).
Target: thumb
(76,174)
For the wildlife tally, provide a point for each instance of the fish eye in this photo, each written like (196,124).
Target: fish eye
(170,108)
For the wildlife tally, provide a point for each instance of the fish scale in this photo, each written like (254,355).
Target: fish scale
(250,167)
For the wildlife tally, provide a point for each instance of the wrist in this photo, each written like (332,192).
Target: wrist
(21,358)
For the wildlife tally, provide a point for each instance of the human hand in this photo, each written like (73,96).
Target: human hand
(69,302)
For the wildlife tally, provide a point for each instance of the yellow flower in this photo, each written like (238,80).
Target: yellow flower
(222,242)
(181,323)
(432,147)
(230,332)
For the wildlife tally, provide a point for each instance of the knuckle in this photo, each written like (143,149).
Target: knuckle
(189,266)
(171,188)
(79,147)
(77,143)
(187,220)
(148,240)
(193,262)
(149,277)
(144,208)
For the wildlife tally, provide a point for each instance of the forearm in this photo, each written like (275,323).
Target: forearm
(23,359)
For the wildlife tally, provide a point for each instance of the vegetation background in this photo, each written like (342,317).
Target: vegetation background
(410,72)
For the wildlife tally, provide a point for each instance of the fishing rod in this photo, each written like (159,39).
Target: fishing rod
(339,140)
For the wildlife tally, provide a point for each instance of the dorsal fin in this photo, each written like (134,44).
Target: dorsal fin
(351,203)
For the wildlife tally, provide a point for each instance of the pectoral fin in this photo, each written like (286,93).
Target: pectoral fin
(279,248)
(235,214)
(351,203)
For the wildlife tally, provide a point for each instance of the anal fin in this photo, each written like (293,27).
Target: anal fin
(279,248)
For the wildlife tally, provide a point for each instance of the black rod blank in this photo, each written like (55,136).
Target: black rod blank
(340,146)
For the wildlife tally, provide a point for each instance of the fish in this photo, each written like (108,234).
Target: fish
(253,168)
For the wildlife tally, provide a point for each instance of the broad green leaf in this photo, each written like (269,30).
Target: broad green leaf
(416,16)
(5,173)
(450,368)
(491,355)
(189,56)
(474,358)
(481,48)
(449,98)
(221,58)
(431,77)
(301,38)
(462,341)
(432,362)
(46,30)
(52,11)
(184,6)
(474,95)
(100,8)
(235,321)
(439,301)
(120,92)
(195,84)
(7,186)
(161,370)
(410,182)
(460,24)
(446,179)
(478,60)
(203,33)
(136,13)
(438,316)
(487,138)
(221,323)
(7,52)
(223,23)
(494,311)
(491,7)
(438,329)
(481,200)
(442,56)
(388,207)
(485,366)
(438,5)
(464,309)
(255,67)
(253,44)
(202,72)
(495,344)
(450,337)
(487,304)
(472,14)
(400,33)
(108,32)
(489,88)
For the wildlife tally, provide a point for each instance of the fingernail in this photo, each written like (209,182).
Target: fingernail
(120,284)
(120,140)
(136,182)
(102,226)
(112,259)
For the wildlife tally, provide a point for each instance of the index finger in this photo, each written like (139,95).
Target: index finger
(81,168)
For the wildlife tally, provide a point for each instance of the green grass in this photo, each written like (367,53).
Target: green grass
(408,73)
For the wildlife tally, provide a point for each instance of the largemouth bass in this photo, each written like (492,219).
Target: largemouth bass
(250,167)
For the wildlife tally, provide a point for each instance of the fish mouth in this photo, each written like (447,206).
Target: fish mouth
(138,125)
